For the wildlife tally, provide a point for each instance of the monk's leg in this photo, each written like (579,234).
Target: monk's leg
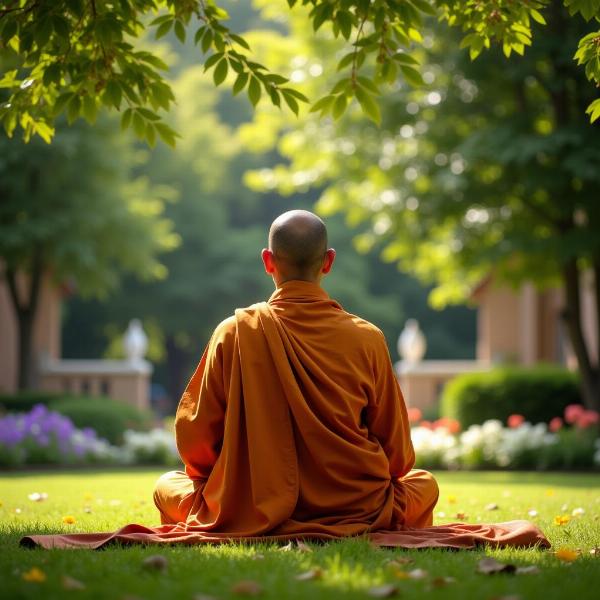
(174,494)
(416,496)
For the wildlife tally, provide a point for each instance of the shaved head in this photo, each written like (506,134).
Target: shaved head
(298,238)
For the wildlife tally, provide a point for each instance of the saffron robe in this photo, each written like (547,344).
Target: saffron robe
(294,426)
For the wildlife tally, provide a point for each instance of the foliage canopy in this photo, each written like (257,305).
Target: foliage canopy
(75,57)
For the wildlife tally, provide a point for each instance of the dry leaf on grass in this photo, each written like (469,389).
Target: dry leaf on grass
(315,573)
(247,587)
(34,575)
(417,574)
(529,570)
(438,582)
(383,591)
(490,566)
(461,516)
(68,583)
(302,547)
(156,562)
(491,506)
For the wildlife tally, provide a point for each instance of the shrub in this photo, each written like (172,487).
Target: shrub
(539,394)
(109,418)
(24,401)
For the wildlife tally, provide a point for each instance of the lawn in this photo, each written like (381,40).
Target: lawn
(105,500)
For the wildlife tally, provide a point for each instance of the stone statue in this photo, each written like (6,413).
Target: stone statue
(411,342)
(135,341)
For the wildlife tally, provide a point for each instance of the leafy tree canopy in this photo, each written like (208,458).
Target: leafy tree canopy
(75,56)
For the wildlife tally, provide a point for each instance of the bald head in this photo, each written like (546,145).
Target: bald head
(298,240)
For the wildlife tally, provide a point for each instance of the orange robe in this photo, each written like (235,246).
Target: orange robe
(294,423)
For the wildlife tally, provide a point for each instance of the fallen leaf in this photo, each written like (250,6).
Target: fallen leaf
(68,520)
(38,497)
(155,562)
(417,574)
(247,587)
(490,566)
(383,591)
(461,516)
(561,519)
(438,582)
(289,546)
(566,555)
(529,570)
(69,583)
(315,573)
(302,547)
(491,506)
(34,575)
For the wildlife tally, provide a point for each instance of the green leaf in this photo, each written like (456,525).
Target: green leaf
(425,7)
(274,94)
(537,16)
(594,110)
(412,76)
(295,93)
(112,94)
(339,106)
(148,114)
(199,34)
(126,118)
(207,40)
(212,60)
(180,31)
(220,71)
(290,101)
(52,74)
(164,28)
(344,21)
(368,84)
(151,135)
(42,32)
(166,134)
(239,40)
(90,110)
(346,61)
(138,125)
(61,102)
(254,91)
(240,83)
(323,105)
(369,105)
(73,108)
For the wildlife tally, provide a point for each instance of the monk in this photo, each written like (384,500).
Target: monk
(294,426)
(294,421)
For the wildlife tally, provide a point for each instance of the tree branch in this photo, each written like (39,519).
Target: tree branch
(11,280)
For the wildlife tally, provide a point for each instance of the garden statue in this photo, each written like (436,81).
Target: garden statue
(135,341)
(411,342)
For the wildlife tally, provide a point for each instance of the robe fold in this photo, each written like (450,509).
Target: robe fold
(294,426)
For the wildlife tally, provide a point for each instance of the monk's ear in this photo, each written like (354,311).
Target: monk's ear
(268,261)
(328,261)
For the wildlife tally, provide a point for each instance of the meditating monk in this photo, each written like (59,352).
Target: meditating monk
(293,426)
(294,422)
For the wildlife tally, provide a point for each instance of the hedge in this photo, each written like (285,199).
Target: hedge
(539,394)
(109,418)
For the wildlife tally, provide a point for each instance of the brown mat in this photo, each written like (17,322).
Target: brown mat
(454,535)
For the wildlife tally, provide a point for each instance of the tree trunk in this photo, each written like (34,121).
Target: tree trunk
(590,380)
(25,311)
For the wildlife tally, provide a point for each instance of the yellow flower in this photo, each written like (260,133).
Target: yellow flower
(451,499)
(69,520)
(88,497)
(566,554)
(561,519)
(34,574)
(550,492)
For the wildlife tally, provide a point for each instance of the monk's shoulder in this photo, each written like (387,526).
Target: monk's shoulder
(367,331)
(225,331)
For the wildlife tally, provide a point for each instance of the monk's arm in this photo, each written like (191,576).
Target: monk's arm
(199,422)
(387,418)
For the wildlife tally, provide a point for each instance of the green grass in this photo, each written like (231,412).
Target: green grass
(350,567)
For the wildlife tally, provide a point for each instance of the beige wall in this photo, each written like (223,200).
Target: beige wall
(46,339)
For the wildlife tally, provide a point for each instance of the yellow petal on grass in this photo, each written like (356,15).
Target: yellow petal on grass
(566,555)
(561,519)
(34,575)
(68,520)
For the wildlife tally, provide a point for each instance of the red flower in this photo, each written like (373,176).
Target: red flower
(515,421)
(573,412)
(414,414)
(426,424)
(452,425)
(587,418)
(555,424)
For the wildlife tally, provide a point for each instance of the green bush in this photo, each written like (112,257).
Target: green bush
(109,418)
(538,393)
(25,401)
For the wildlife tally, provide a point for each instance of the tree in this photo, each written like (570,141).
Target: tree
(72,210)
(491,168)
(75,56)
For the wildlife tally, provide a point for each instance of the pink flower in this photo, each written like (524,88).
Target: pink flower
(515,421)
(452,425)
(573,412)
(555,424)
(426,424)
(587,418)
(414,414)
